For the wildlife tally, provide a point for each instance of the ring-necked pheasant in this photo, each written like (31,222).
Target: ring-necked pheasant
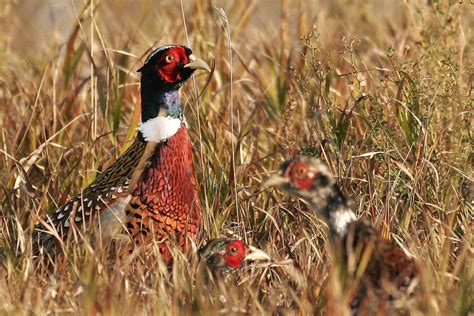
(223,255)
(379,266)
(151,190)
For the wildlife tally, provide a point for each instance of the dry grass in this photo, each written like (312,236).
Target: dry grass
(381,90)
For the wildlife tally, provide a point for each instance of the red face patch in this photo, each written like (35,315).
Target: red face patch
(235,253)
(170,62)
(301,175)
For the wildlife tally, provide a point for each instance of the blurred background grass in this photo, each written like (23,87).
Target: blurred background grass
(381,90)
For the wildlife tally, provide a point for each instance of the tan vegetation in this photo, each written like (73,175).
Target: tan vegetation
(380,90)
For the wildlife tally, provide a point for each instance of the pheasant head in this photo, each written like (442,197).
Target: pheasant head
(223,255)
(165,70)
(311,180)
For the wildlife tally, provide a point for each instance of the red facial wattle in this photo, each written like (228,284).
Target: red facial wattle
(300,175)
(170,71)
(304,183)
(234,260)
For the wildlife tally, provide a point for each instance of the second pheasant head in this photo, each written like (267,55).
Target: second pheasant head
(311,180)
(304,176)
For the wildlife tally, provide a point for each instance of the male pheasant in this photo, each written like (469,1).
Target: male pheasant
(223,255)
(151,190)
(381,266)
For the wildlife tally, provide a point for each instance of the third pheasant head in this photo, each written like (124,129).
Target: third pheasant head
(223,255)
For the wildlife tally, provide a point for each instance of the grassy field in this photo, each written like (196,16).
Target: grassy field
(380,90)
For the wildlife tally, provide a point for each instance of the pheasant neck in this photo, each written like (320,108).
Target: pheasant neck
(334,209)
(161,113)
(157,100)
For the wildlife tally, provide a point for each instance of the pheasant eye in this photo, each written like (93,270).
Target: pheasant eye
(169,58)
(300,172)
(233,250)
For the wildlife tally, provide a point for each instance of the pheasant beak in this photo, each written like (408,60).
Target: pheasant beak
(196,63)
(255,254)
(275,180)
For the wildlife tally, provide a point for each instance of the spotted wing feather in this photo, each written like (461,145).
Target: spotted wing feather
(110,188)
